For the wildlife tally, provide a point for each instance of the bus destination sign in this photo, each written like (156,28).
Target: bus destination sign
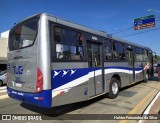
(144,22)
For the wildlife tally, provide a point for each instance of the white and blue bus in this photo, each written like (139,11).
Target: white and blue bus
(53,62)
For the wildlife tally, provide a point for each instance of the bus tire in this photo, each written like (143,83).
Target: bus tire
(113,88)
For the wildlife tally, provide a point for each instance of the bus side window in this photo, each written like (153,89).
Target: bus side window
(145,55)
(139,54)
(57,34)
(119,51)
(68,44)
(108,50)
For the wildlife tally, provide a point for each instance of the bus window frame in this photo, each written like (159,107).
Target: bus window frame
(23,23)
(111,43)
(113,58)
(53,44)
(141,54)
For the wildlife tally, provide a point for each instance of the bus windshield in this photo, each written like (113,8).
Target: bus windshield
(23,35)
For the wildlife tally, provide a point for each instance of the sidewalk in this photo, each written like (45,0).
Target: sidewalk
(148,106)
(154,107)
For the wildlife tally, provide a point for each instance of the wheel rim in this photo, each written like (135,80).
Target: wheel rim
(114,88)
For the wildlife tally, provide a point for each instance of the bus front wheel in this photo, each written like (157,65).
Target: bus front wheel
(113,88)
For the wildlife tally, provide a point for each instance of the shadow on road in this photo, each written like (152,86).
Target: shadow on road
(4,85)
(61,110)
(155,78)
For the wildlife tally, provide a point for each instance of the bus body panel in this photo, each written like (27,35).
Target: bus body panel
(22,69)
(71,95)
(22,55)
(122,69)
(44,61)
(69,83)
(139,73)
(24,63)
(42,99)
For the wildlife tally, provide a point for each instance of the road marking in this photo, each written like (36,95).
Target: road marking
(149,107)
(3,91)
(133,111)
(4,96)
(1,88)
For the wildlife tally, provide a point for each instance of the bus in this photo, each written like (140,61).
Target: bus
(53,62)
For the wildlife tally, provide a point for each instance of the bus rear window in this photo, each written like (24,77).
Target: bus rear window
(23,35)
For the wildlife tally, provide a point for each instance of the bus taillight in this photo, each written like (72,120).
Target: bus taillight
(39,83)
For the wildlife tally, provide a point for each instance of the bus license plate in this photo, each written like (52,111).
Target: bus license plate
(18,84)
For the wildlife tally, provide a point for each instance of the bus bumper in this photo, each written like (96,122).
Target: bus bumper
(42,99)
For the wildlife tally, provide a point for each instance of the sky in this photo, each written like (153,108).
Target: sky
(115,17)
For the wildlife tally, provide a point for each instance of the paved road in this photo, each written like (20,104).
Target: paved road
(132,100)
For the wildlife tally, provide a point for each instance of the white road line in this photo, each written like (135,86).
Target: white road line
(149,107)
(1,88)
(1,91)
(4,96)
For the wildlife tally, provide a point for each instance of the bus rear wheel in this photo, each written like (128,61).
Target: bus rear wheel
(113,88)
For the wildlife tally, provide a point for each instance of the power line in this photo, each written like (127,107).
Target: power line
(123,30)
(140,33)
(130,28)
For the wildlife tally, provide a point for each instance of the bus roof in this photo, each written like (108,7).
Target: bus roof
(93,31)
(128,42)
(84,28)
(74,25)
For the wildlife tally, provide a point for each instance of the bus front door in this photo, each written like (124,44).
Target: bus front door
(95,85)
(131,65)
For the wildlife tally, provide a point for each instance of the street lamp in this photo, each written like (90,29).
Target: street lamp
(149,10)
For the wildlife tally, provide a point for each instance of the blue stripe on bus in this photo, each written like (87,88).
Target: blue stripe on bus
(61,77)
(30,97)
(123,68)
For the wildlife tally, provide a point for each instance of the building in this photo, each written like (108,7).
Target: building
(5,34)
(3,50)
